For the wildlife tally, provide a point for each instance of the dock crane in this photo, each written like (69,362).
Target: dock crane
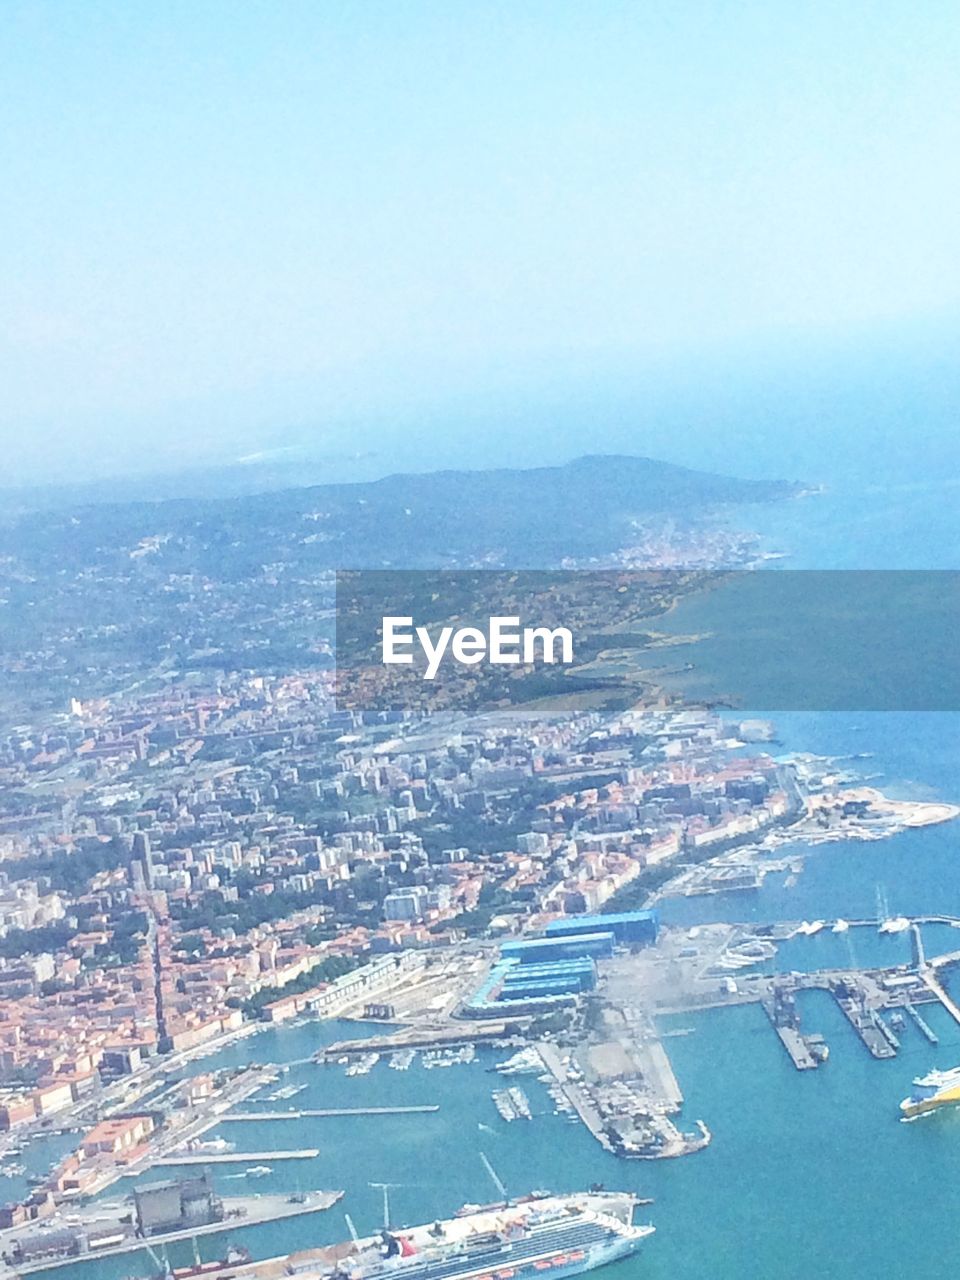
(352,1229)
(385,1188)
(494,1177)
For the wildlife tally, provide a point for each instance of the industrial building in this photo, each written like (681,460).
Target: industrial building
(540,950)
(561,976)
(531,988)
(176,1205)
(629,928)
(537,974)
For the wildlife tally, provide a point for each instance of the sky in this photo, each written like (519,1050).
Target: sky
(426,228)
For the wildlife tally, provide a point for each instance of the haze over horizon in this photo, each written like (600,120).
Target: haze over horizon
(440,234)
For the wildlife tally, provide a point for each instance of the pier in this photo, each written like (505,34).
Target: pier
(239,1211)
(791,1039)
(237,1157)
(921,1023)
(929,977)
(575,1095)
(873,1032)
(428,1038)
(330,1112)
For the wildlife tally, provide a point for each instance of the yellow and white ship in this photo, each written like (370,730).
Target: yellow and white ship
(938,1089)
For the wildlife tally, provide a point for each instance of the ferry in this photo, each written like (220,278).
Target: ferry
(540,1234)
(937,1089)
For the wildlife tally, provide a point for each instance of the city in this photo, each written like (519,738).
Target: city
(229,852)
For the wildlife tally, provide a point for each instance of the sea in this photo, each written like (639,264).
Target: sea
(808,1174)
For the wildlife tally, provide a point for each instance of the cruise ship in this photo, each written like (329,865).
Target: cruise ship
(537,1236)
(938,1089)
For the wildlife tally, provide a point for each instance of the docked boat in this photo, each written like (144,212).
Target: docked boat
(505,1105)
(555,1235)
(521,1103)
(525,1062)
(221,1267)
(898,924)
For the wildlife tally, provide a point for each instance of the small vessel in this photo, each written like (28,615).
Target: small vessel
(525,1062)
(259,1171)
(363,1065)
(505,1105)
(521,1103)
(934,1090)
(213,1146)
(809,928)
(895,925)
(235,1256)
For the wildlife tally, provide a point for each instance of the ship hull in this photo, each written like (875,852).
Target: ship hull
(546,1239)
(920,1106)
(602,1256)
(556,1268)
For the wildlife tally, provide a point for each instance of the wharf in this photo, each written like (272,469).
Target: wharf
(868,1025)
(791,1039)
(328,1112)
(657,1071)
(576,1096)
(239,1211)
(236,1157)
(933,985)
(428,1038)
(921,1023)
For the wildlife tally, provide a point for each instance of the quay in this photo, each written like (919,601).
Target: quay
(657,1069)
(872,1030)
(576,1096)
(921,1023)
(931,981)
(239,1211)
(432,1038)
(327,1112)
(236,1157)
(790,1037)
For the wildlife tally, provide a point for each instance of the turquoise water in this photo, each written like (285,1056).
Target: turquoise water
(808,1173)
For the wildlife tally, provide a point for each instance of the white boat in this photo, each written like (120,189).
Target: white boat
(526,1062)
(895,925)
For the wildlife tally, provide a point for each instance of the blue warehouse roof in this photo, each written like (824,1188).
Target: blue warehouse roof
(532,945)
(563,927)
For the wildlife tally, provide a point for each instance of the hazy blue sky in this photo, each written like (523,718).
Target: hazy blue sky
(229,226)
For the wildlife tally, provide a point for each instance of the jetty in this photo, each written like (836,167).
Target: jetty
(790,1037)
(330,1112)
(246,1211)
(236,1157)
(921,1023)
